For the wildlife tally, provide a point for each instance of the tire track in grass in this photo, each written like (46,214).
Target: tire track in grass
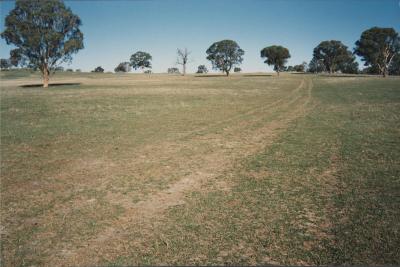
(112,241)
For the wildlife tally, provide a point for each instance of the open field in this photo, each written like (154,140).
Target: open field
(155,169)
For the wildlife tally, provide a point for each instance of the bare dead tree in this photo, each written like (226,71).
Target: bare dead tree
(183,58)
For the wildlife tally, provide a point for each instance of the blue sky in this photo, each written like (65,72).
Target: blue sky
(113,30)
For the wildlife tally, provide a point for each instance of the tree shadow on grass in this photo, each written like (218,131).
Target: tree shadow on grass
(344,75)
(210,76)
(334,75)
(50,85)
(257,75)
(234,75)
(302,73)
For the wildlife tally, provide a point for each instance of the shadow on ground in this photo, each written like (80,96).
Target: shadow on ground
(210,76)
(345,75)
(50,85)
(257,75)
(334,75)
(223,75)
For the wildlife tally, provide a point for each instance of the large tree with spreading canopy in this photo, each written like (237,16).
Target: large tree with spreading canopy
(45,32)
(224,55)
(377,47)
(275,55)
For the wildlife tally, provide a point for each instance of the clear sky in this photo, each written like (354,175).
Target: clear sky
(114,30)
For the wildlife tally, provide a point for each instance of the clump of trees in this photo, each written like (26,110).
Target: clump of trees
(173,70)
(5,64)
(275,55)
(98,69)
(140,60)
(202,69)
(377,47)
(45,34)
(301,67)
(224,55)
(123,67)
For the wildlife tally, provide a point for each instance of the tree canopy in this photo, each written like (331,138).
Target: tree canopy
(348,64)
(378,46)
(275,55)
(5,64)
(202,69)
(98,69)
(123,67)
(45,33)
(224,55)
(331,54)
(316,66)
(141,60)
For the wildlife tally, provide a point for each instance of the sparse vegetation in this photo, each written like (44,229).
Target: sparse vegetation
(116,169)
(173,70)
(183,58)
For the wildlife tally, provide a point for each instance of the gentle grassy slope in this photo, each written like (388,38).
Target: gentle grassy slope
(326,192)
(157,169)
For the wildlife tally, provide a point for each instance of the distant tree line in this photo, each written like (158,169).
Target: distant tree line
(46,34)
(379,48)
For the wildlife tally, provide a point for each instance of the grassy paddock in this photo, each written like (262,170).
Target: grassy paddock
(107,169)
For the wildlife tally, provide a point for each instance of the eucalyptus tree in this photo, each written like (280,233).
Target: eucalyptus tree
(45,34)
(276,56)
(123,67)
(224,55)
(202,69)
(331,53)
(377,47)
(141,60)
(98,69)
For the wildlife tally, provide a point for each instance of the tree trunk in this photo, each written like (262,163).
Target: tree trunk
(227,72)
(385,72)
(277,72)
(184,69)
(45,77)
